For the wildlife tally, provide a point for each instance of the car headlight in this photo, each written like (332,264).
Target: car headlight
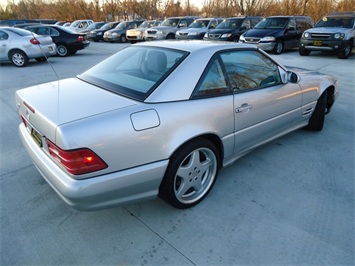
(99,33)
(242,38)
(339,36)
(161,32)
(114,34)
(206,35)
(226,35)
(192,33)
(306,34)
(268,39)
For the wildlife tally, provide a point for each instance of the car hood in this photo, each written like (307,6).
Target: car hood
(262,32)
(220,31)
(194,30)
(50,105)
(163,28)
(328,30)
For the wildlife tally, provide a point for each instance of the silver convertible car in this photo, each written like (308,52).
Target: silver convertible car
(161,119)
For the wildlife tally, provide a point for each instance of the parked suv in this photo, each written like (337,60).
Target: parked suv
(118,34)
(197,29)
(168,28)
(230,29)
(335,32)
(276,33)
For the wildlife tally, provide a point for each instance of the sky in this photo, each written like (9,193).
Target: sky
(197,3)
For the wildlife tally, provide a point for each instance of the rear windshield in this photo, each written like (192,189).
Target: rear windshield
(135,71)
(335,22)
(272,23)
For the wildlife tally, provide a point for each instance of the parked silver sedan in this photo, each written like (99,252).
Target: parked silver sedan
(19,46)
(161,119)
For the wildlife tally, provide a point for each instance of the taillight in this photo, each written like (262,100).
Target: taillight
(80,38)
(23,120)
(34,41)
(77,162)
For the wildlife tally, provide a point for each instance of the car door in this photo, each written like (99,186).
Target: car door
(264,107)
(292,34)
(4,43)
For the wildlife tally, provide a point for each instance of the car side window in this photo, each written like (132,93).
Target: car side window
(3,35)
(54,32)
(246,24)
(183,23)
(292,25)
(213,81)
(249,70)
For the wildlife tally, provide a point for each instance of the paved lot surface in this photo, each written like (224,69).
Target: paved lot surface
(289,202)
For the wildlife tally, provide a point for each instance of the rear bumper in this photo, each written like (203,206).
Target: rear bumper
(108,190)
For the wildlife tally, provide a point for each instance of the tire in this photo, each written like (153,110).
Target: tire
(279,47)
(62,50)
(170,37)
(41,59)
(346,51)
(316,121)
(18,58)
(123,39)
(191,174)
(303,52)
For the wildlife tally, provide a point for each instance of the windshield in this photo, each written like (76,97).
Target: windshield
(335,22)
(121,26)
(230,23)
(134,71)
(199,23)
(170,22)
(272,23)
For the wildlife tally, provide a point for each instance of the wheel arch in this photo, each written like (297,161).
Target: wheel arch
(210,137)
(15,50)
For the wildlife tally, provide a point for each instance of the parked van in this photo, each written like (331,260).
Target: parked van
(276,33)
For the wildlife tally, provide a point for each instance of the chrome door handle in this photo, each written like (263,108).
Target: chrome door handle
(244,108)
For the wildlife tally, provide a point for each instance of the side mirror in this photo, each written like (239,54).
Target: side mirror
(292,77)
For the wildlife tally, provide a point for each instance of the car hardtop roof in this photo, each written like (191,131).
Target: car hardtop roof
(342,14)
(242,17)
(194,45)
(295,16)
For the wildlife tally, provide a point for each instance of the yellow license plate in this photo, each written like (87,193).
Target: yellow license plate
(37,137)
(317,43)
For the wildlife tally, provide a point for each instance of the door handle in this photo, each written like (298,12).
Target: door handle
(244,108)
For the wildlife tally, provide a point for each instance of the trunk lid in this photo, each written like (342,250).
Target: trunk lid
(49,105)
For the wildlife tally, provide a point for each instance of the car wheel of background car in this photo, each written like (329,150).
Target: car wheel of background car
(191,174)
(41,59)
(304,52)
(346,51)
(123,39)
(18,58)
(279,46)
(316,121)
(62,50)
(170,36)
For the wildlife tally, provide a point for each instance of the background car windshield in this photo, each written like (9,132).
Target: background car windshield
(122,25)
(199,24)
(68,30)
(335,22)
(134,71)
(170,22)
(230,24)
(272,23)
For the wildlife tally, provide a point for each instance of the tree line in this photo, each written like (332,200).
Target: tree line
(114,10)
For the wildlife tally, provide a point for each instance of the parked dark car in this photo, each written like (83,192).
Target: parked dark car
(118,34)
(230,29)
(98,34)
(92,26)
(67,40)
(276,33)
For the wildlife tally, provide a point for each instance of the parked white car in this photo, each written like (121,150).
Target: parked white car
(80,24)
(19,46)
